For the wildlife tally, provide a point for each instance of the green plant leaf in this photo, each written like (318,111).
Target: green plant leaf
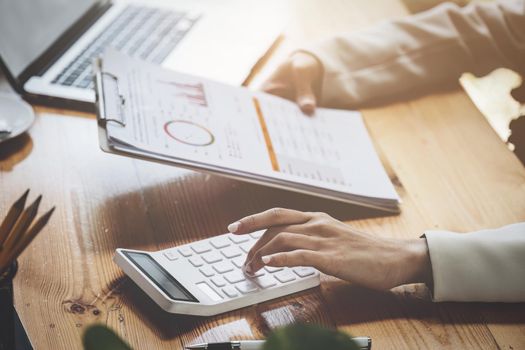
(99,337)
(308,337)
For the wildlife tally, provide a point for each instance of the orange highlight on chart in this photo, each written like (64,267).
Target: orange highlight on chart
(266,134)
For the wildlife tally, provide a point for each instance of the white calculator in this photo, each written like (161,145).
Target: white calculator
(206,278)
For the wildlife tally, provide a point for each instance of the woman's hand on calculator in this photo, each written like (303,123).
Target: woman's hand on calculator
(295,238)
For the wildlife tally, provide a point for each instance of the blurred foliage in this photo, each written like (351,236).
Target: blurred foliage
(308,337)
(293,337)
(99,337)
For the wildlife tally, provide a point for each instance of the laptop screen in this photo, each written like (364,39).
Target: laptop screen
(29,27)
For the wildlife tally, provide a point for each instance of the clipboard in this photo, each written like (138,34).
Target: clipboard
(110,103)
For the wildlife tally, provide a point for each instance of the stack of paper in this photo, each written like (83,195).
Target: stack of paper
(148,112)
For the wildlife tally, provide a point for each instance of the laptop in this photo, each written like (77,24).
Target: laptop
(47,47)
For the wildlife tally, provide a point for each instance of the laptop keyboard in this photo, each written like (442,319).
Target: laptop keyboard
(141,32)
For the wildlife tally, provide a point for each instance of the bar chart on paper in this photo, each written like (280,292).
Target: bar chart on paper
(193,93)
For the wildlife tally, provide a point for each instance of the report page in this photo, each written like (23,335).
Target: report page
(190,118)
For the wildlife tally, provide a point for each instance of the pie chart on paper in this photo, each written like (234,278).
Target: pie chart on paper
(189,133)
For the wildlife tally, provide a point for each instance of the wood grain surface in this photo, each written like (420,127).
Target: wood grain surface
(449,167)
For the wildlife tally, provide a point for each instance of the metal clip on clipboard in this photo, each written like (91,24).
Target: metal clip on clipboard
(113,102)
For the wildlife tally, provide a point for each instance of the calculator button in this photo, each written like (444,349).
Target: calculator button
(239,238)
(259,273)
(284,276)
(257,234)
(303,271)
(231,252)
(223,267)
(207,271)
(219,281)
(209,291)
(201,247)
(239,261)
(185,251)
(234,277)
(220,242)
(246,287)
(272,269)
(266,281)
(230,291)
(196,261)
(247,246)
(171,255)
(212,257)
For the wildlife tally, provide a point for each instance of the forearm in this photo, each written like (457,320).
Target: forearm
(412,54)
(411,262)
(419,263)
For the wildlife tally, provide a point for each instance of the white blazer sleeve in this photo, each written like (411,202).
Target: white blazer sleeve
(431,49)
(486,266)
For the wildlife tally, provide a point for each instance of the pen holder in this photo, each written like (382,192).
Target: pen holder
(7,308)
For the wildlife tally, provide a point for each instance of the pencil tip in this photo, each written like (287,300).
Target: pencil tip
(22,200)
(47,215)
(38,199)
(36,203)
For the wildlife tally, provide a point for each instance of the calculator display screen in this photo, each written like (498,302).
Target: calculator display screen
(160,277)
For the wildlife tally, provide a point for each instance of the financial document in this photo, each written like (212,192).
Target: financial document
(201,122)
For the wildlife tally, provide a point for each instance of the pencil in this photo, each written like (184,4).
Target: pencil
(21,225)
(12,215)
(27,238)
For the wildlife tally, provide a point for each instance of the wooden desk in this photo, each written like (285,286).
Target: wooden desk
(450,168)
